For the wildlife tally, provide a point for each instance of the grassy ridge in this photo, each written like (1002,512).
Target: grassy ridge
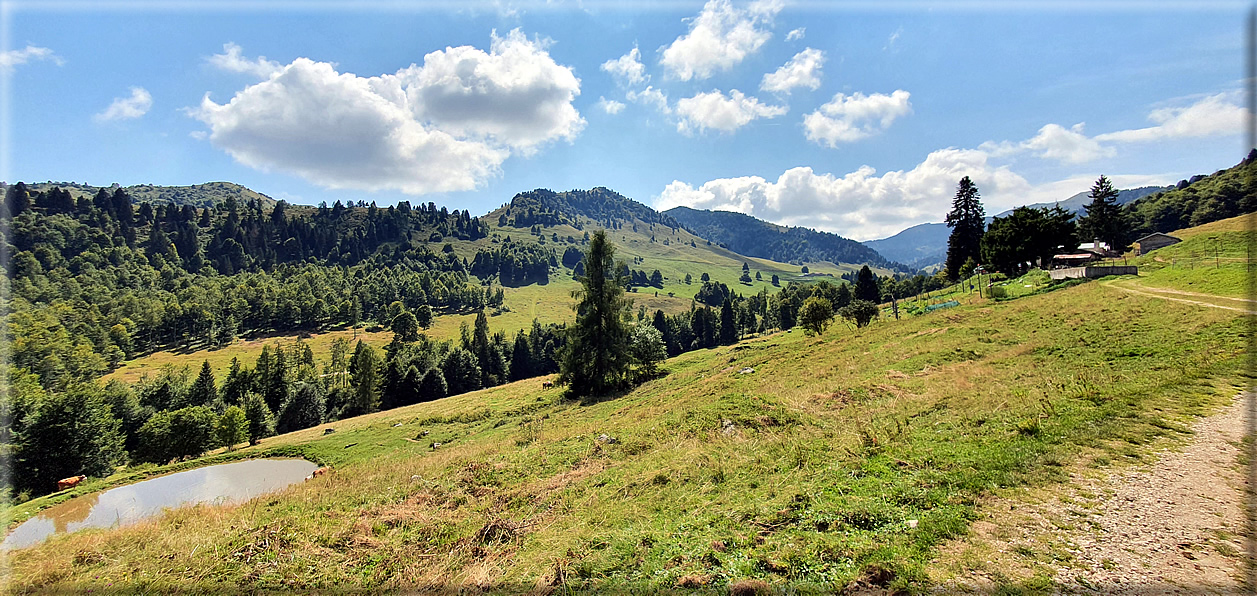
(804,473)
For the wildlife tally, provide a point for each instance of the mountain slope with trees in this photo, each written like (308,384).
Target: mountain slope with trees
(754,237)
(208,194)
(1197,200)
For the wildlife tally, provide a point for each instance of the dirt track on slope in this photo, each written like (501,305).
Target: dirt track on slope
(1175,527)
(1161,293)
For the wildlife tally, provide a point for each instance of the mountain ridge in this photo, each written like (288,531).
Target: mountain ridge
(755,237)
(202,195)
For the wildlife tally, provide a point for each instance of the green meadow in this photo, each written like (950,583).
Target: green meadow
(844,457)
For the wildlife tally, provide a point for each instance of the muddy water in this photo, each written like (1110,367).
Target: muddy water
(224,483)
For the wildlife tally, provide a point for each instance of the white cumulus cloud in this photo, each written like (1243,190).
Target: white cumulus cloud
(716,111)
(11,58)
(860,204)
(627,69)
(803,70)
(233,60)
(1218,114)
(1214,115)
(127,108)
(720,37)
(651,96)
(1053,141)
(848,118)
(610,106)
(444,126)
(796,34)
(514,94)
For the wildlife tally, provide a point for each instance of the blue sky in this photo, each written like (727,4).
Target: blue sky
(854,118)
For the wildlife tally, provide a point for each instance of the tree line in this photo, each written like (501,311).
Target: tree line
(84,426)
(1029,237)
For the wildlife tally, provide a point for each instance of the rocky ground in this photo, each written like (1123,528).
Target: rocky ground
(1173,527)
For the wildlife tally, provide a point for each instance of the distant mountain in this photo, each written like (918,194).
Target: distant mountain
(197,195)
(1078,202)
(917,247)
(757,238)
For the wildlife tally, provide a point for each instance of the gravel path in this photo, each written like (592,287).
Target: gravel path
(1173,528)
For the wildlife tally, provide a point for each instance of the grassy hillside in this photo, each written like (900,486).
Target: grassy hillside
(806,474)
(1212,259)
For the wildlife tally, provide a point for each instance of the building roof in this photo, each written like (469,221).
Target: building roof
(1156,234)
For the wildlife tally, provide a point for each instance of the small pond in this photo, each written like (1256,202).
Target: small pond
(223,483)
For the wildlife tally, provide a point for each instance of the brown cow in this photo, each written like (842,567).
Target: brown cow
(321,471)
(70,482)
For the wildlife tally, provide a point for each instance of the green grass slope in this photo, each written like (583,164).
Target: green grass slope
(1212,259)
(806,474)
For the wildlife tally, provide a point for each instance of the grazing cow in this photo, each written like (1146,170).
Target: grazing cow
(321,471)
(547,384)
(70,482)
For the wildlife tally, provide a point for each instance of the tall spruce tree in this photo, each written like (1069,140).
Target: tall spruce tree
(364,371)
(967,221)
(1104,220)
(728,323)
(866,286)
(203,391)
(596,359)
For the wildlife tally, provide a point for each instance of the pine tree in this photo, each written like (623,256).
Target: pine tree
(728,324)
(364,370)
(596,359)
(521,358)
(305,409)
(1105,220)
(866,286)
(261,423)
(203,391)
(432,386)
(967,221)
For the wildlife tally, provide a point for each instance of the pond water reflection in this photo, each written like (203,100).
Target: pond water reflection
(223,483)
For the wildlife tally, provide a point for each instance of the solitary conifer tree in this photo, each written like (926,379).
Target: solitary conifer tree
(596,359)
(1104,220)
(967,221)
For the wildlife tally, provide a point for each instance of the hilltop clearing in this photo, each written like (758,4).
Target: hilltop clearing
(840,460)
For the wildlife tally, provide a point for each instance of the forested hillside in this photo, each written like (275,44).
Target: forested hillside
(547,208)
(1198,200)
(93,281)
(208,194)
(98,280)
(750,236)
